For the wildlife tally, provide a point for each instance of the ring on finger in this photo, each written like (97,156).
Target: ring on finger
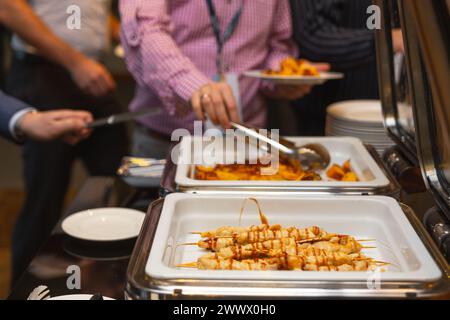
(205,96)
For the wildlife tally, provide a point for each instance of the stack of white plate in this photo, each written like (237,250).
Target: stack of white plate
(361,119)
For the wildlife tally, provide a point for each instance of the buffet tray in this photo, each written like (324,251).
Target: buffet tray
(364,217)
(174,176)
(421,273)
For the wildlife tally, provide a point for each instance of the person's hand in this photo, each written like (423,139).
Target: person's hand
(215,100)
(294,92)
(289,92)
(50,125)
(92,77)
(397,41)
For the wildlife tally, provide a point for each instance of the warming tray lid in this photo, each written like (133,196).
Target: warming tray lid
(395,90)
(421,89)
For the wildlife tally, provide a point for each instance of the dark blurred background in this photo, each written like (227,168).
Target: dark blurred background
(11,182)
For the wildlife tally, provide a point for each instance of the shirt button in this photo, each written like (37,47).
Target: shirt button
(134,37)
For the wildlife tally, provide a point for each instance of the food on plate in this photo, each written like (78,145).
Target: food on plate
(342,173)
(272,247)
(287,171)
(294,67)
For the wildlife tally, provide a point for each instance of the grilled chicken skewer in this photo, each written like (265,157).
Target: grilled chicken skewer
(231,231)
(306,234)
(253,250)
(334,243)
(311,255)
(205,263)
(210,262)
(346,245)
(363,265)
(277,248)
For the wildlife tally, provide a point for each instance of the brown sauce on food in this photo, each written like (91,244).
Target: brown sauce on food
(262,216)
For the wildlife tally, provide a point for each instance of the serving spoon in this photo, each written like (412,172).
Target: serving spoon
(312,156)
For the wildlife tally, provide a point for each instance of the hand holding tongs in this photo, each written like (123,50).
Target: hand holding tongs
(312,156)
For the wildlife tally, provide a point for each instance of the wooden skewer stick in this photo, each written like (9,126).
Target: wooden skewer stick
(314,240)
(196,232)
(380,262)
(371,260)
(188,244)
(366,240)
(368,247)
(187,265)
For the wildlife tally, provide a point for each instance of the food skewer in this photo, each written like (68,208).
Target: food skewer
(282,263)
(216,243)
(311,255)
(345,244)
(288,245)
(265,247)
(231,231)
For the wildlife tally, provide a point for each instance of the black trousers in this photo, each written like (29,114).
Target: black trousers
(47,166)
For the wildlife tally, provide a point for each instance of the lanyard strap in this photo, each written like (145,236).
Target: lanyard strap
(222,39)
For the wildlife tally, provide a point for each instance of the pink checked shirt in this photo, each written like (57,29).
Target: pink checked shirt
(171,51)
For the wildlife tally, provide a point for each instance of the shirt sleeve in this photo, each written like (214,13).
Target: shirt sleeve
(14,122)
(152,55)
(320,36)
(11,111)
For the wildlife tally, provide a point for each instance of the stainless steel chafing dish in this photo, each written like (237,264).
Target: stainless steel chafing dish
(426,38)
(146,283)
(374,179)
(416,103)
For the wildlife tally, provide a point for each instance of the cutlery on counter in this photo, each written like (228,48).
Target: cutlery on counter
(133,166)
(39,293)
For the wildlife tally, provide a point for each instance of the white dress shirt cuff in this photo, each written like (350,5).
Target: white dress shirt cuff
(14,121)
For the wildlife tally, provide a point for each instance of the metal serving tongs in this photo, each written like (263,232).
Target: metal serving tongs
(311,156)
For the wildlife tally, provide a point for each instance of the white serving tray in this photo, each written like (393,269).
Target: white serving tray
(340,149)
(365,217)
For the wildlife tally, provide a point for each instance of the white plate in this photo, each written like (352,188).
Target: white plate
(364,217)
(77,297)
(374,124)
(367,111)
(104,224)
(357,126)
(295,80)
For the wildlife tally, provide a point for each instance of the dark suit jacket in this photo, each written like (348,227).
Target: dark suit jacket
(8,107)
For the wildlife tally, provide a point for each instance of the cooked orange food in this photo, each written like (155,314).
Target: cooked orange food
(342,173)
(233,172)
(293,67)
